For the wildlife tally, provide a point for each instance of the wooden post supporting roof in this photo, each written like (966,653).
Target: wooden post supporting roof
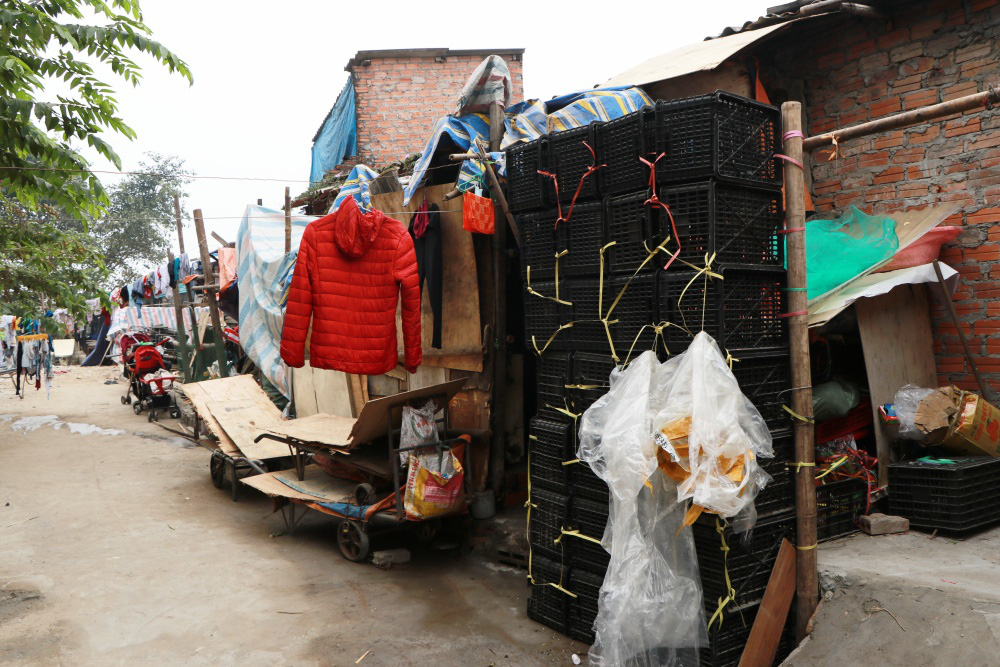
(211,292)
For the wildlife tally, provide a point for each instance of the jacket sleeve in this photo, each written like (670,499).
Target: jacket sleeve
(404,270)
(298,312)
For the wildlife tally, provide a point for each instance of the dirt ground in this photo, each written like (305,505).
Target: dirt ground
(115,549)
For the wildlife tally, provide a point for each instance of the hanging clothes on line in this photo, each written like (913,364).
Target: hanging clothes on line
(425,228)
(34,361)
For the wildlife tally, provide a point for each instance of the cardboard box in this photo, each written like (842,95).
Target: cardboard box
(960,421)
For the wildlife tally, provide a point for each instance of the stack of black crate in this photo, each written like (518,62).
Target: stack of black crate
(716,172)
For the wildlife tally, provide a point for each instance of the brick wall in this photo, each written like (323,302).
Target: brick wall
(862,69)
(400,98)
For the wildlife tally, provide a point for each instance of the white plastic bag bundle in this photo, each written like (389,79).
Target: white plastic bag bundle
(907,399)
(417,428)
(650,607)
(710,434)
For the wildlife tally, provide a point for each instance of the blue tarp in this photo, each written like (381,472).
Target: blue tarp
(338,137)
(525,121)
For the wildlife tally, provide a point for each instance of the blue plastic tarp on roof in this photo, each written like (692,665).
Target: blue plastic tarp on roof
(338,138)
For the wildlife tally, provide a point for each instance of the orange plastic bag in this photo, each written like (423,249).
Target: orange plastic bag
(477,214)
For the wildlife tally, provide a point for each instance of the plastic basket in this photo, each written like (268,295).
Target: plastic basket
(750,559)
(736,224)
(548,449)
(569,160)
(765,379)
(546,604)
(587,332)
(779,494)
(552,376)
(583,237)
(838,507)
(588,516)
(549,511)
(524,185)
(586,484)
(538,245)
(722,135)
(583,608)
(957,496)
(619,146)
(635,229)
(585,554)
(590,370)
(542,316)
(635,310)
(741,312)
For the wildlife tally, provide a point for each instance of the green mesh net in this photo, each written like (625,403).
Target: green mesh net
(838,250)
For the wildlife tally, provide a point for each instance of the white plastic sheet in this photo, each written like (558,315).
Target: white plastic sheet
(650,607)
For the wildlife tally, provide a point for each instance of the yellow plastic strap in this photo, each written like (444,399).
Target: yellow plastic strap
(585,386)
(558,255)
(807,420)
(564,410)
(534,341)
(577,533)
(531,290)
(813,546)
(730,359)
(720,528)
(570,462)
(563,590)
(707,271)
(799,465)
(833,467)
(532,437)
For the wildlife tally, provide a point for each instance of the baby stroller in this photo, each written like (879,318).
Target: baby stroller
(151,391)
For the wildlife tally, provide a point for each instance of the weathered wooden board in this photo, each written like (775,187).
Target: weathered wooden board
(899,350)
(316,429)
(762,645)
(208,396)
(201,400)
(243,421)
(316,487)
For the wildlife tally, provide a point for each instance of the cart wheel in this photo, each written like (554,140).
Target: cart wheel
(124,401)
(235,490)
(427,530)
(127,399)
(363,493)
(152,416)
(175,412)
(137,407)
(353,541)
(217,470)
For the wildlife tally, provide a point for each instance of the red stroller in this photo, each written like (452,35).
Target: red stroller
(151,391)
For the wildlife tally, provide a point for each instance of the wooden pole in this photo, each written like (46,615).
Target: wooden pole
(498,193)
(288,220)
(905,119)
(213,302)
(180,225)
(807,581)
(182,344)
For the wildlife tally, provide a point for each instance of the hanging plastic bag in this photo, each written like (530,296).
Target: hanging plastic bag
(650,609)
(434,486)
(417,428)
(477,214)
(710,436)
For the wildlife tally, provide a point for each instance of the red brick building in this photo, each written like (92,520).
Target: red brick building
(400,94)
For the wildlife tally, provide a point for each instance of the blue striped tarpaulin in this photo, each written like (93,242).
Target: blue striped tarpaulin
(263,269)
(356,186)
(525,121)
(148,317)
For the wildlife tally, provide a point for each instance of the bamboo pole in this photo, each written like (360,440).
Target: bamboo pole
(807,581)
(905,119)
(180,225)
(182,343)
(498,403)
(213,302)
(288,220)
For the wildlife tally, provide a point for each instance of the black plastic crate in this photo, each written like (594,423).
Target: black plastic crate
(549,444)
(583,608)
(765,379)
(590,370)
(741,312)
(587,332)
(582,553)
(726,642)
(586,484)
(552,375)
(635,229)
(590,517)
(750,558)
(779,494)
(547,516)
(635,310)
(722,135)
(957,496)
(737,224)
(838,507)
(543,316)
(620,144)
(538,246)
(524,184)
(583,237)
(549,606)
(569,159)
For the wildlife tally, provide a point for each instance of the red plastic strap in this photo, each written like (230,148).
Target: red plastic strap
(555,182)
(592,169)
(800,312)
(654,200)
(792,133)
(790,159)
(791,230)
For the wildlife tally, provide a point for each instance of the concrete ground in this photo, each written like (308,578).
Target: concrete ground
(941,596)
(115,549)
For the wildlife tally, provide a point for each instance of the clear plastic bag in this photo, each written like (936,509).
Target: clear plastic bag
(650,606)
(906,401)
(417,428)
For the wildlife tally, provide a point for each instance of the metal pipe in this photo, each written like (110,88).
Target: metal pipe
(897,121)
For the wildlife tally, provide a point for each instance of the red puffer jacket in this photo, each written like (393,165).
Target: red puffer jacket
(348,275)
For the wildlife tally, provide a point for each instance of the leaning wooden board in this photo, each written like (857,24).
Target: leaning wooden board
(243,421)
(212,397)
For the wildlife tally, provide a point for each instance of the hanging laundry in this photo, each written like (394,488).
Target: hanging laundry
(425,228)
(227,266)
(349,273)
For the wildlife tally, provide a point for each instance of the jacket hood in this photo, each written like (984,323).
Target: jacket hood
(355,231)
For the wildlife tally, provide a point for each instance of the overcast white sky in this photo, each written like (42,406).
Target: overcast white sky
(266,73)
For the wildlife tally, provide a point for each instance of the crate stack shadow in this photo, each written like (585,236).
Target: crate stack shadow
(594,249)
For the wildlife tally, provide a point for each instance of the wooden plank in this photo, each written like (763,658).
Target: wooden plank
(315,429)
(303,392)
(331,393)
(243,421)
(201,400)
(762,645)
(426,376)
(899,350)
(382,385)
(358,400)
(316,487)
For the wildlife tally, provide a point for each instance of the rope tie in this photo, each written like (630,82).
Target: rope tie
(720,528)
(795,415)
(654,200)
